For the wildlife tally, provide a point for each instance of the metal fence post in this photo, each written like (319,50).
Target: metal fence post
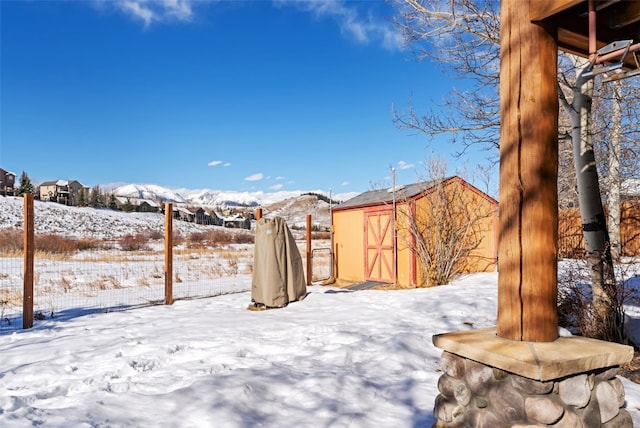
(168,254)
(309,254)
(29,251)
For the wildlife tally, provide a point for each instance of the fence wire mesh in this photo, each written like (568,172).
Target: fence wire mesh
(101,263)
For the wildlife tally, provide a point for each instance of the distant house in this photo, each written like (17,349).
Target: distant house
(65,192)
(137,204)
(236,221)
(200,216)
(7,183)
(216,219)
(181,213)
(371,231)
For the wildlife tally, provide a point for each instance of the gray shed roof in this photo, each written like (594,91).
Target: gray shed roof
(402,192)
(385,196)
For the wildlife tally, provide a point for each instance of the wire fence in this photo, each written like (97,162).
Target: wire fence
(76,276)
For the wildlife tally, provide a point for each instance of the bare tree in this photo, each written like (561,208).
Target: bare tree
(463,37)
(445,228)
(614,172)
(607,308)
(617,150)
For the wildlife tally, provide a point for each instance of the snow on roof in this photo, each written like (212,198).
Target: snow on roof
(137,201)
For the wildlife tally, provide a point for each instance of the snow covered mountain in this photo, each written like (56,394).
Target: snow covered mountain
(149,191)
(207,198)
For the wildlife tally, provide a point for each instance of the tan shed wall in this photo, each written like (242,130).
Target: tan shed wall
(407,265)
(349,244)
(349,239)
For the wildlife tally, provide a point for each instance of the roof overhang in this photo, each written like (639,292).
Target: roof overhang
(615,20)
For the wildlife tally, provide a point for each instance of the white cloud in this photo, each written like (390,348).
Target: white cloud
(227,164)
(276,187)
(344,183)
(151,11)
(279,177)
(180,9)
(364,29)
(138,10)
(255,177)
(214,163)
(405,165)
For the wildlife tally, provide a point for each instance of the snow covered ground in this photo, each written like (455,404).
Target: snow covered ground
(338,358)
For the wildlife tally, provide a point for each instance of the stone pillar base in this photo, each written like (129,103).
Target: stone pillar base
(570,382)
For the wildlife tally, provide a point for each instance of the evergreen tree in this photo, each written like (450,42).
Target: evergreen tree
(82,198)
(25,185)
(96,199)
(112,202)
(127,206)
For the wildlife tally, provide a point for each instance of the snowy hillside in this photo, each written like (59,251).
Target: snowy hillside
(54,218)
(295,211)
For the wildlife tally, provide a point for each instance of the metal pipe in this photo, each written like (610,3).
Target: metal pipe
(614,54)
(592,29)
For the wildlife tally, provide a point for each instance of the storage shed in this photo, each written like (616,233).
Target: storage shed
(374,233)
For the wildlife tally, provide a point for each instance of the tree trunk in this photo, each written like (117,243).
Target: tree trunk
(613,200)
(597,245)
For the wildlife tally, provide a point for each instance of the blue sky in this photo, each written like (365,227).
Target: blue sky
(243,96)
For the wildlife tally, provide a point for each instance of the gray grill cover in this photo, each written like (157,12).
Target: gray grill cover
(278,275)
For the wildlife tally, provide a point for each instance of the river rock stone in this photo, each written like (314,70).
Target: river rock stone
(543,410)
(575,391)
(452,365)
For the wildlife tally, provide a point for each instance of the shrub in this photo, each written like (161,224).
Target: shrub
(198,237)
(177,238)
(56,244)
(243,238)
(576,311)
(134,242)
(11,240)
(220,237)
(84,244)
(321,235)
(156,235)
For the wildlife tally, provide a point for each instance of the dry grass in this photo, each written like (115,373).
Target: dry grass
(118,257)
(10,297)
(631,370)
(68,268)
(106,282)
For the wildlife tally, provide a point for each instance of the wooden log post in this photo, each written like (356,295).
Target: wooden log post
(29,247)
(309,252)
(168,253)
(527,283)
(258,214)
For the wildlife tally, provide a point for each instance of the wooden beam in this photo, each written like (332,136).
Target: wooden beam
(625,13)
(540,10)
(527,281)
